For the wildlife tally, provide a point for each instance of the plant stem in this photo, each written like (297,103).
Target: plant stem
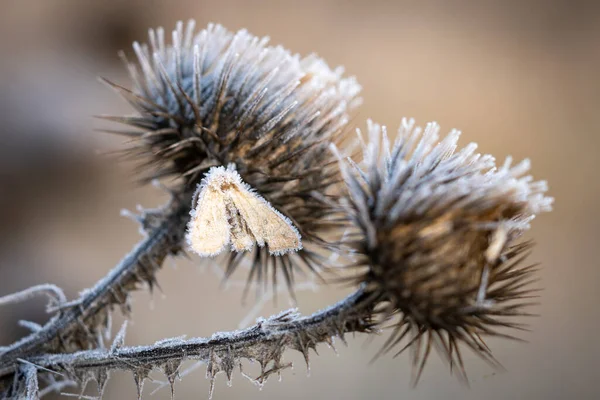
(79,323)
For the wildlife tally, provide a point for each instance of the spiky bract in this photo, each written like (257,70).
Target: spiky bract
(215,98)
(437,231)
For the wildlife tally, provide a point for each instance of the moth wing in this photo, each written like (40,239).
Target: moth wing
(242,238)
(208,230)
(266,224)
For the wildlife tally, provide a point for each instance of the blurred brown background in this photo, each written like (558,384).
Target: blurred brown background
(518,77)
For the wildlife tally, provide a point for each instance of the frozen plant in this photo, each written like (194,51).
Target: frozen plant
(254,139)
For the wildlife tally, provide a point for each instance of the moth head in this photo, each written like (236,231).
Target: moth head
(220,178)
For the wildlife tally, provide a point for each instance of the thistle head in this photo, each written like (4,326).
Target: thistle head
(217,98)
(437,233)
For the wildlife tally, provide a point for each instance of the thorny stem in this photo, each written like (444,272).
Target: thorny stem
(264,342)
(165,228)
(57,347)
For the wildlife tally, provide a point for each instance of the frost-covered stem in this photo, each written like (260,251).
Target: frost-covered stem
(53,292)
(264,342)
(77,323)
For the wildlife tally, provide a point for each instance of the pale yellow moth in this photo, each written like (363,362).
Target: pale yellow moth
(229,212)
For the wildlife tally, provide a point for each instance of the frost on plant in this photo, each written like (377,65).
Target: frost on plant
(253,137)
(437,239)
(216,98)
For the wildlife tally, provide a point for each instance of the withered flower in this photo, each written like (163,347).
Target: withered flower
(217,98)
(437,239)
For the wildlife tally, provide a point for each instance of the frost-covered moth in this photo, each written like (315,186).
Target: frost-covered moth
(228,212)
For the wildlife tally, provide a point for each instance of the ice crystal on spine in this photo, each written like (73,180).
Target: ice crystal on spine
(437,231)
(215,97)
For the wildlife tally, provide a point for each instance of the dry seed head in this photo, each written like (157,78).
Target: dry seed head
(228,212)
(216,98)
(437,231)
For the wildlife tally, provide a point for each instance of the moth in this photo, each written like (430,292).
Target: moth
(229,212)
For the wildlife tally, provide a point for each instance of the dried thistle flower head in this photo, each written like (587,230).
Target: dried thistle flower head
(228,212)
(216,98)
(437,233)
